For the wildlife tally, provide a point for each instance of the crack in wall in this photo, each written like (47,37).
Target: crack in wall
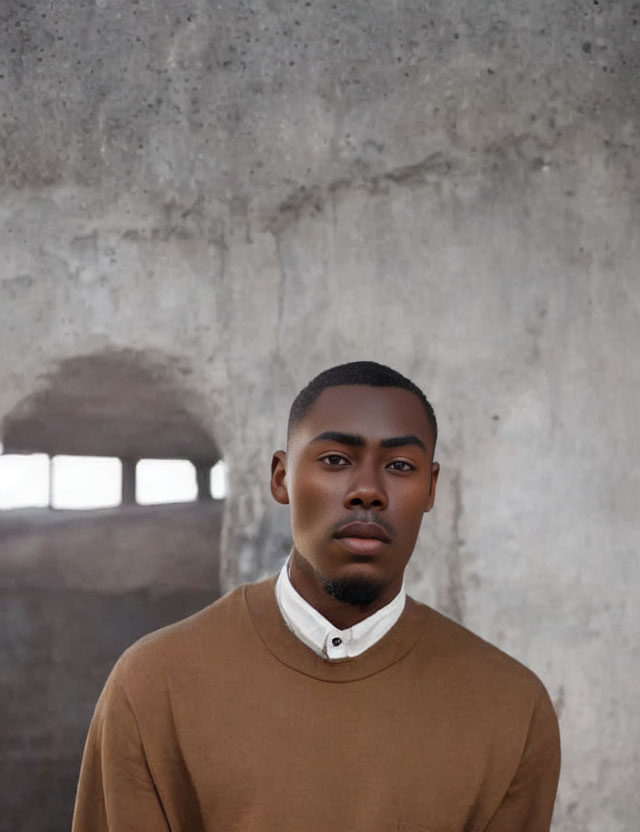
(454,592)
(311,199)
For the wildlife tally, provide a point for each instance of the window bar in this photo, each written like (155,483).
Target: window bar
(203,471)
(128,482)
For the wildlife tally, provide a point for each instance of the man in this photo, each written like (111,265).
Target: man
(327,700)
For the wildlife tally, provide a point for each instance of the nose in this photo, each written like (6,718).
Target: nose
(366,489)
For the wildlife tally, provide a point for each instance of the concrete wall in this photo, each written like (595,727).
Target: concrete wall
(74,592)
(250,192)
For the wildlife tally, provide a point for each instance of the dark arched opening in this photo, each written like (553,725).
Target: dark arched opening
(79,586)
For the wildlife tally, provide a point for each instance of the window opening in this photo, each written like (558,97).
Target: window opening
(85,482)
(24,480)
(165,481)
(73,482)
(219,480)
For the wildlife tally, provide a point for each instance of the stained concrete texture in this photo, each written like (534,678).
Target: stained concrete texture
(254,191)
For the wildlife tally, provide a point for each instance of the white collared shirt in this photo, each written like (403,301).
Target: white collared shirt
(314,630)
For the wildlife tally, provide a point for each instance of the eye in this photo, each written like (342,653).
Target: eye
(335,460)
(400,465)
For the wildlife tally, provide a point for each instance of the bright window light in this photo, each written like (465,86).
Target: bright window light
(165,481)
(24,481)
(218,481)
(85,482)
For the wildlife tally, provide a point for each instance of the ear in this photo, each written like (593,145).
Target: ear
(435,470)
(278,478)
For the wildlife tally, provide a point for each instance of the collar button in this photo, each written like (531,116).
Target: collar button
(336,641)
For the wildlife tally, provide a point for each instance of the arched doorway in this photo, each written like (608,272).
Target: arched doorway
(78,586)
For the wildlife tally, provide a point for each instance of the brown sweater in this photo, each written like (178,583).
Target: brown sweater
(225,722)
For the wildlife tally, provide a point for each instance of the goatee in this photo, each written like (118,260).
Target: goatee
(358,593)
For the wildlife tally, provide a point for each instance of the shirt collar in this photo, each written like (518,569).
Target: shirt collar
(319,634)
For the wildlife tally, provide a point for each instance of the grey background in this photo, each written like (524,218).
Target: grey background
(204,204)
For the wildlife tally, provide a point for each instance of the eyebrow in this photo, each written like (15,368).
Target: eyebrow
(358,441)
(399,441)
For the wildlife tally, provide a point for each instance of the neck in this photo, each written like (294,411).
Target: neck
(308,584)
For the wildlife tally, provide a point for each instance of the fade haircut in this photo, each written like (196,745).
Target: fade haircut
(366,373)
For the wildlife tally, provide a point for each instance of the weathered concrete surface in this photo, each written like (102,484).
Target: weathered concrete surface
(135,548)
(254,191)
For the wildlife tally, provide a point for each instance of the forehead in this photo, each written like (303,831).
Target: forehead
(372,412)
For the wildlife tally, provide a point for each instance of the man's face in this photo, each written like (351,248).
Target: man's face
(359,477)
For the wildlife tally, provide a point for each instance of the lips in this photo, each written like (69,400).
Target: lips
(362,538)
(363,530)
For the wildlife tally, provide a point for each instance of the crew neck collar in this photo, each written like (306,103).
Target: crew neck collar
(270,626)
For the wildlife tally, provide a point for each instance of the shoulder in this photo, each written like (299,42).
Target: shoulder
(474,663)
(182,647)
(482,688)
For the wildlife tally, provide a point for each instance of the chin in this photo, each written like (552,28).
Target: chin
(357,591)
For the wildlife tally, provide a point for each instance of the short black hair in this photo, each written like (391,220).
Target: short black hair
(366,373)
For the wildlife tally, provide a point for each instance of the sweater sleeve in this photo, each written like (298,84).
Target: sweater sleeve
(116,792)
(528,803)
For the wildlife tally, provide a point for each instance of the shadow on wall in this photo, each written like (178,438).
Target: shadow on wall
(77,587)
